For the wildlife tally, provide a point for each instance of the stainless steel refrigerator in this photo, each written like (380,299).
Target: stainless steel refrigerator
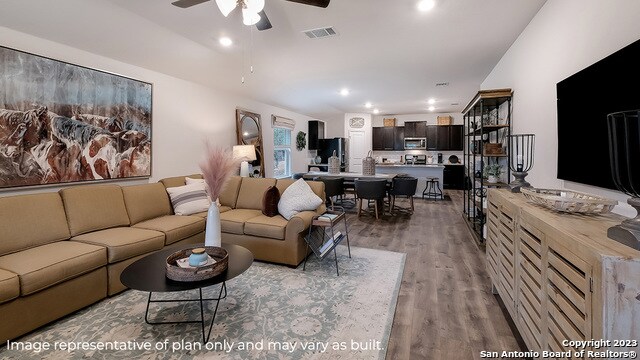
(327,146)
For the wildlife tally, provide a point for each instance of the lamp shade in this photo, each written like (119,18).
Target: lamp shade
(244,152)
(226,6)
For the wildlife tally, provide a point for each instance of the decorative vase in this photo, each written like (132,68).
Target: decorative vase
(492,179)
(212,234)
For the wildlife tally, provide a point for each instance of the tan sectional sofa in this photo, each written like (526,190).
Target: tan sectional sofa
(272,239)
(62,251)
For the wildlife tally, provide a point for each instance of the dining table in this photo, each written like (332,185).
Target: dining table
(349,176)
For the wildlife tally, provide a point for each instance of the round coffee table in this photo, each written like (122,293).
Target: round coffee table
(148,274)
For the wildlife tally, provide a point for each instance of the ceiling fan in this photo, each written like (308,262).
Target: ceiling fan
(252,10)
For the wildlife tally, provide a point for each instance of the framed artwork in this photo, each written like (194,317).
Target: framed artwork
(63,123)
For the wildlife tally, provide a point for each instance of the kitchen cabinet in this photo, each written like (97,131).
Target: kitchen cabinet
(383,138)
(456,137)
(415,129)
(444,137)
(398,138)
(388,138)
(453,177)
(316,132)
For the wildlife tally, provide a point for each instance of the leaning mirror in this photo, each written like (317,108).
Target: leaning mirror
(249,132)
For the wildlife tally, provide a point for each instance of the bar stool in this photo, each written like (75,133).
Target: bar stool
(433,188)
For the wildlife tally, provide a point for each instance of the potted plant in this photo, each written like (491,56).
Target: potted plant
(493,172)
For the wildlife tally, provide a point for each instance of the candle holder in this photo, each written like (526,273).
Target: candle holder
(521,147)
(624,151)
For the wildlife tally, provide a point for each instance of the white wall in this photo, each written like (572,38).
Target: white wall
(185,114)
(563,38)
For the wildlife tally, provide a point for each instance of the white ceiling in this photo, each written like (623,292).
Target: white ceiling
(386,52)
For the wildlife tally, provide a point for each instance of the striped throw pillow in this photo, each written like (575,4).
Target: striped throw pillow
(189,199)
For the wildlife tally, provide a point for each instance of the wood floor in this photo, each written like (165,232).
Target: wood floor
(445,307)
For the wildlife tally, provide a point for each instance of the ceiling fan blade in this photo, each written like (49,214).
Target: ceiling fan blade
(187,3)
(318,3)
(264,23)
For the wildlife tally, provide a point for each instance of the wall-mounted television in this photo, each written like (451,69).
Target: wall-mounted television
(584,100)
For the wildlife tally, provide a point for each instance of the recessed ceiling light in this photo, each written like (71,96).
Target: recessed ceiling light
(344,92)
(368,105)
(375,111)
(426,5)
(431,108)
(225,41)
(432,101)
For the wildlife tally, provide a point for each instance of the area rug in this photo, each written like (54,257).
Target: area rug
(271,312)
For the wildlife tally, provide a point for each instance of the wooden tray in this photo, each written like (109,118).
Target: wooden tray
(569,201)
(175,272)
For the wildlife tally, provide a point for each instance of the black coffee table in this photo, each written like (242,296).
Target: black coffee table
(148,274)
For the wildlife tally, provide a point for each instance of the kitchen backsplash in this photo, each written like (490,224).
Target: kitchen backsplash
(394,156)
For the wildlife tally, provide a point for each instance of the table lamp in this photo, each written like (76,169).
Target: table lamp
(245,153)
(624,152)
(521,147)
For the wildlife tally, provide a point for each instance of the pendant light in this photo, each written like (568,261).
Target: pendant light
(226,6)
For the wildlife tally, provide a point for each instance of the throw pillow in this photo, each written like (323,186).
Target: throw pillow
(190,181)
(296,198)
(189,199)
(270,201)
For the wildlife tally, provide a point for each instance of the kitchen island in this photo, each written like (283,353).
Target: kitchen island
(421,172)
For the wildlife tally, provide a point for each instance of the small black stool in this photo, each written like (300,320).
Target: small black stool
(433,189)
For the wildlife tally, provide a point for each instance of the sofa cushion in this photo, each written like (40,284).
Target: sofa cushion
(232,221)
(189,199)
(44,266)
(204,213)
(9,286)
(229,194)
(18,214)
(178,180)
(94,207)
(264,226)
(147,201)
(251,190)
(298,197)
(124,242)
(174,227)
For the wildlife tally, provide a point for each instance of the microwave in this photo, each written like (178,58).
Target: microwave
(415,143)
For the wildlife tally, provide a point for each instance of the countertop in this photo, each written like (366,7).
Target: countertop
(412,165)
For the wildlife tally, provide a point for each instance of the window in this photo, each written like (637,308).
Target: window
(281,152)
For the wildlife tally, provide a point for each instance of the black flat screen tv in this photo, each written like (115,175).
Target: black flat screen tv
(584,100)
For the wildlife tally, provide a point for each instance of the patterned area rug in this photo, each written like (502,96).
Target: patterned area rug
(271,312)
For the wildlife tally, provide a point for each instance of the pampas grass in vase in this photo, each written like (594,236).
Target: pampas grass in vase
(217,168)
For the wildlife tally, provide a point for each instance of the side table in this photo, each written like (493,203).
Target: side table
(325,233)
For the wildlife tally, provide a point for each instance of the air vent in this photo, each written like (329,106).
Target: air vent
(454,104)
(320,33)
(442,84)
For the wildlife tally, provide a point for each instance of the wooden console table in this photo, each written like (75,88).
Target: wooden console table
(560,277)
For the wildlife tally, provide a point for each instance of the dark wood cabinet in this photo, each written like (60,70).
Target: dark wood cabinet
(378,139)
(316,132)
(421,129)
(453,177)
(432,137)
(445,137)
(415,129)
(456,137)
(388,138)
(398,138)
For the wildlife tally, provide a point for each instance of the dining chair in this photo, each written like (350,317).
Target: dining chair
(369,190)
(333,187)
(403,186)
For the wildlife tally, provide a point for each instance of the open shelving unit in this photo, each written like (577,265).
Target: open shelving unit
(487,119)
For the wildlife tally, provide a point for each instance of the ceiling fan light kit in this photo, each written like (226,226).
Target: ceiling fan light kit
(252,10)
